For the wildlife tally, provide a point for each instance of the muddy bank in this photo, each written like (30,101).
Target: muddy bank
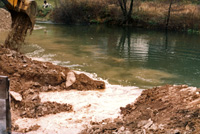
(28,78)
(167,109)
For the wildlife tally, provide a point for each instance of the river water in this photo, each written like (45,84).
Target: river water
(127,59)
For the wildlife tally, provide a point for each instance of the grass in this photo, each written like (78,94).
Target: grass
(44,13)
(183,16)
(41,2)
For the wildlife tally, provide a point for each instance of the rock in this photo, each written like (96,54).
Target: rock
(148,124)
(16,96)
(154,127)
(145,123)
(71,78)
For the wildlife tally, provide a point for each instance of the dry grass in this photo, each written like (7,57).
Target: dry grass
(183,16)
(149,14)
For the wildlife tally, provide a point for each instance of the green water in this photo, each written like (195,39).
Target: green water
(129,57)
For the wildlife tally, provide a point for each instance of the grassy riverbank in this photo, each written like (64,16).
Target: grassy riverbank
(149,14)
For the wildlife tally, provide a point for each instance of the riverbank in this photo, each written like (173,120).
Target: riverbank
(167,109)
(149,15)
(28,78)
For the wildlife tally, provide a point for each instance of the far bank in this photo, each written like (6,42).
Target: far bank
(178,16)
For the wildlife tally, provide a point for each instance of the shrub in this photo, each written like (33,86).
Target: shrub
(75,11)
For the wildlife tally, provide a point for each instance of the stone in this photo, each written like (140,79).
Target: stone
(16,96)
(71,78)
(148,124)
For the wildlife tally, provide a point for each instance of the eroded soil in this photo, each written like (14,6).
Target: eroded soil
(29,77)
(167,109)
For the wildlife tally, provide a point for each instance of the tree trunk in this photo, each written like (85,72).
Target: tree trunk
(168,15)
(126,12)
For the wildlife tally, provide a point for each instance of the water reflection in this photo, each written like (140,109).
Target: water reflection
(133,46)
(166,40)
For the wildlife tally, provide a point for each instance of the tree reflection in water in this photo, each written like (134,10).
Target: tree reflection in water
(126,35)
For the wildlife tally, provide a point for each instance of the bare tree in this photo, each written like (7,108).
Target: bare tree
(168,15)
(126,11)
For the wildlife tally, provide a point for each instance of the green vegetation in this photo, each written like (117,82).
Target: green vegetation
(45,13)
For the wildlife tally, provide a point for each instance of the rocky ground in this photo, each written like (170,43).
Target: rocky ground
(160,110)
(167,109)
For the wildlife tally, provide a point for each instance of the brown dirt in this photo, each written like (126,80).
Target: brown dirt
(25,130)
(28,78)
(20,25)
(167,109)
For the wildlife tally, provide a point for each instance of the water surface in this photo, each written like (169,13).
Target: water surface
(124,56)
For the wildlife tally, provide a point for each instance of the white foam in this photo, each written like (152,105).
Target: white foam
(36,52)
(87,105)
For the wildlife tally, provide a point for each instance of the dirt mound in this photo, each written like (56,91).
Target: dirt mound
(5,20)
(28,78)
(166,109)
(47,77)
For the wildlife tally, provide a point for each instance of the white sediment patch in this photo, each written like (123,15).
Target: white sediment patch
(87,105)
